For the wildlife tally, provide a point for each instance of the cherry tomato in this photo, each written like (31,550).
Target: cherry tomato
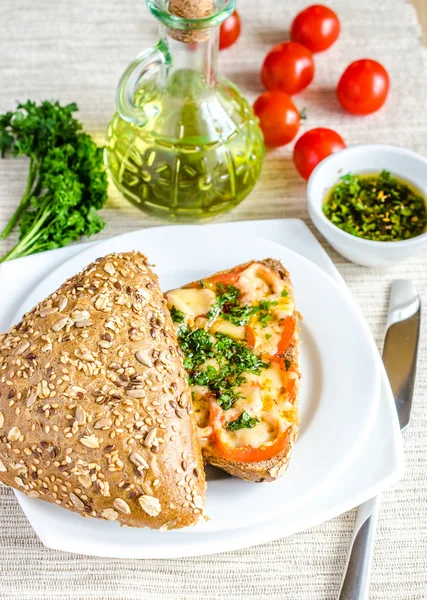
(363,87)
(288,68)
(313,147)
(279,118)
(229,31)
(317,27)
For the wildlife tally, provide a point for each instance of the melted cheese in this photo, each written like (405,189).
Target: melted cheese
(263,433)
(285,307)
(251,399)
(258,282)
(266,338)
(193,302)
(252,288)
(223,326)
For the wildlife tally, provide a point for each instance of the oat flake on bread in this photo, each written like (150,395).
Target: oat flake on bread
(95,410)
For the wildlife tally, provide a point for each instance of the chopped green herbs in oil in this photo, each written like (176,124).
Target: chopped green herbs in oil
(376,207)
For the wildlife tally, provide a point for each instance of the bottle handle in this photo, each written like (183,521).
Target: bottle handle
(147,62)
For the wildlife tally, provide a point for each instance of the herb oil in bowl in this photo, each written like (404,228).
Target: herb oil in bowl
(377,206)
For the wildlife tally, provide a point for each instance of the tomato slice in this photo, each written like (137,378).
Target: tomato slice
(288,330)
(250,336)
(227,278)
(248,453)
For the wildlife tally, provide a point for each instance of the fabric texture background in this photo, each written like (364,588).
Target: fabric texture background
(76,51)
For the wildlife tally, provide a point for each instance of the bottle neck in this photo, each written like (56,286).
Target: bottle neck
(193,65)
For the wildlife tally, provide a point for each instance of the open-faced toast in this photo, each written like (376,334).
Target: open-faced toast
(239,334)
(95,408)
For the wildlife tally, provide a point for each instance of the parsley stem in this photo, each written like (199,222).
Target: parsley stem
(26,244)
(28,192)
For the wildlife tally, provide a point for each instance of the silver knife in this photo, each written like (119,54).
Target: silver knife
(400,361)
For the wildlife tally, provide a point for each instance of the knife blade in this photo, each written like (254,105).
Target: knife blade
(401,345)
(400,360)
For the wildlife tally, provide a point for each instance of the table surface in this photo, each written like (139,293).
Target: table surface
(76,52)
(421,8)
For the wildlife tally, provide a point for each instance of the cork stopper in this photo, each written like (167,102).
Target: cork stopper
(190,9)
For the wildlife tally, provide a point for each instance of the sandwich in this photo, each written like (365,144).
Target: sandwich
(238,331)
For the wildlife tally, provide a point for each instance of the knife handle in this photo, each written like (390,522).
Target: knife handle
(357,572)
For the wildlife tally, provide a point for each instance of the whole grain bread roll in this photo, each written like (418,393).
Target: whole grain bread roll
(95,409)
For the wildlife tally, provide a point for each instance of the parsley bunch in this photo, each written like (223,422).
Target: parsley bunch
(66,184)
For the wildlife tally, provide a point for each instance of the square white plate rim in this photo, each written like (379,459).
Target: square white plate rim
(304,242)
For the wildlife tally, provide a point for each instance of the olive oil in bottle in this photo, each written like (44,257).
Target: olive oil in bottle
(191,146)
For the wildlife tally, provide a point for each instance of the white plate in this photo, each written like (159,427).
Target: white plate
(376,467)
(339,396)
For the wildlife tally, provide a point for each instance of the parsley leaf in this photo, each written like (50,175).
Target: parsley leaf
(284,293)
(244,421)
(177,315)
(287,364)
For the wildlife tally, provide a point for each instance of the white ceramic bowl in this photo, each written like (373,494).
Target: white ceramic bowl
(364,159)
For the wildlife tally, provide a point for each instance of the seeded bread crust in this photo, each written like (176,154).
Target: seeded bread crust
(94,402)
(266,470)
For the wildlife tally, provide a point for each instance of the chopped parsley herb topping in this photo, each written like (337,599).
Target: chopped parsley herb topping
(196,346)
(226,295)
(227,305)
(177,315)
(244,421)
(287,364)
(284,293)
(232,357)
(267,336)
(239,315)
(376,207)
(263,309)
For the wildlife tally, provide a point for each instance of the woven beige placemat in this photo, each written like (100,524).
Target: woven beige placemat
(76,51)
